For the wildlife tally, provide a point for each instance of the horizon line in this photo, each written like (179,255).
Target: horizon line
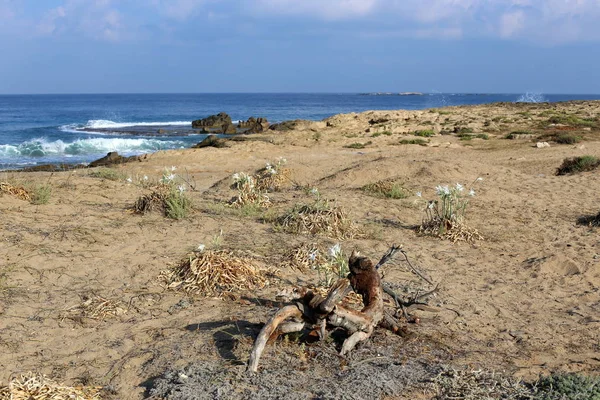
(406,94)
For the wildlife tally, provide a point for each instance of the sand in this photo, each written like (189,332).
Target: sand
(524,301)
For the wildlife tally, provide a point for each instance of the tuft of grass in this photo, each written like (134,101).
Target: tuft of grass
(177,205)
(565,138)
(460,130)
(418,141)
(108,174)
(40,194)
(483,136)
(424,133)
(377,134)
(578,164)
(358,145)
(516,134)
(388,189)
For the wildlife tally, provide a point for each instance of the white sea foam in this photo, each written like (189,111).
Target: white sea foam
(530,97)
(40,147)
(107,124)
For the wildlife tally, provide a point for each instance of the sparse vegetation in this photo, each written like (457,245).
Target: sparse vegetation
(377,134)
(40,194)
(572,120)
(418,141)
(517,134)
(424,133)
(483,136)
(386,188)
(110,174)
(445,217)
(578,164)
(565,138)
(358,145)
(168,197)
(461,130)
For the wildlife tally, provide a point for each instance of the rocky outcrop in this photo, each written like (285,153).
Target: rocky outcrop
(213,122)
(113,158)
(211,141)
(288,125)
(254,125)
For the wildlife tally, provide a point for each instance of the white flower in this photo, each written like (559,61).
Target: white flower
(145,177)
(268,166)
(129,180)
(201,248)
(173,168)
(430,205)
(181,188)
(471,193)
(419,194)
(442,190)
(460,187)
(479,179)
(314,191)
(335,250)
(236,177)
(312,256)
(170,177)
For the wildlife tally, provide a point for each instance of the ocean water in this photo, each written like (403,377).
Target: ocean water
(42,129)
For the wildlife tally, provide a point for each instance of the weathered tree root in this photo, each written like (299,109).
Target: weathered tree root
(317,312)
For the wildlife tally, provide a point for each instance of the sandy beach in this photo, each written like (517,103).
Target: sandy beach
(523,301)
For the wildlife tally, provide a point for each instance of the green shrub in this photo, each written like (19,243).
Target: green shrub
(566,139)
(40,194)
(424,133)
(177,204)
(578,164)
(418,141)
(483,136)
(567,386)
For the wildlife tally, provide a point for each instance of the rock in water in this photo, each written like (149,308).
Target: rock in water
(214,121)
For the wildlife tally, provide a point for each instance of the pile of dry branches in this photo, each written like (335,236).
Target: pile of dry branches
(96,307)
(155,201)
(214,273)
(319,218)
(17,191)
(33,386)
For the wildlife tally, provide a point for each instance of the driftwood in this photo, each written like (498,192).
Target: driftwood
(314,311)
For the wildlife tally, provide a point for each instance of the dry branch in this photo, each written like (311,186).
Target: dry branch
(317,312)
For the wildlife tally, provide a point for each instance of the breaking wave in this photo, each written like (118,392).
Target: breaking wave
(40,147)
(107,124)
(530,97)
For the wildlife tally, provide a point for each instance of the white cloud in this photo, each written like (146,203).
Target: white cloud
(98,19)
(329,9)
(512,23)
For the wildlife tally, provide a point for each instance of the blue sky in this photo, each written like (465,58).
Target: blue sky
(100,46)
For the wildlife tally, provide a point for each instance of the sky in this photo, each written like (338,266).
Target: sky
(208,46)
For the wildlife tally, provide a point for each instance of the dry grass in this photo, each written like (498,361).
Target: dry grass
(478,385)
(267,181)
(448,230)
(32,386)
(17,191)
(386,188)
(155,201)
(319,218)
(96,307)
(214,273)
(304,257)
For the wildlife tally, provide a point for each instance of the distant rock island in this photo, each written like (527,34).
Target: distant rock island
(392,94)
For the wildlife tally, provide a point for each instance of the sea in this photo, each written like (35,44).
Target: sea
(77,129)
